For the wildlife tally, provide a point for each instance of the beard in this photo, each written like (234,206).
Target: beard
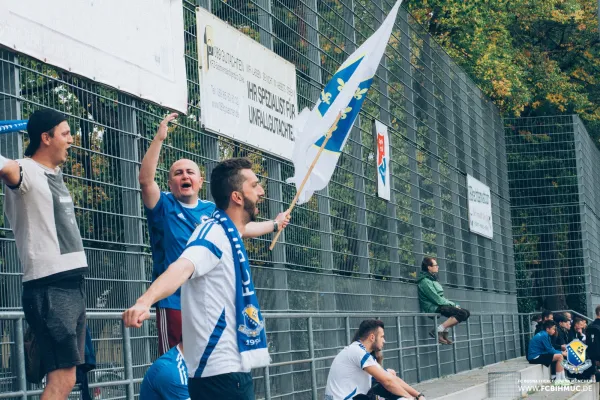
(250,208)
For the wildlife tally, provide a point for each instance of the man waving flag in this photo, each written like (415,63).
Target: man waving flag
(343,95)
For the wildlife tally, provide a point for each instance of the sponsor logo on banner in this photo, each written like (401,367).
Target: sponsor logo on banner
(248,92)
(382,148)
(480,208)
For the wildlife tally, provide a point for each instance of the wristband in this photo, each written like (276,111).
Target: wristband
(420,395)
(275,226)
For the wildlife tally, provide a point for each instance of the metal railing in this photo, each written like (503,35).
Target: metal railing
(409,349)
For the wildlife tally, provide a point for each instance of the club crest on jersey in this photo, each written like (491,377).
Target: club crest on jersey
(252,322)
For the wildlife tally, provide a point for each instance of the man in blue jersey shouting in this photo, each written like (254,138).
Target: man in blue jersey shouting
(172,217)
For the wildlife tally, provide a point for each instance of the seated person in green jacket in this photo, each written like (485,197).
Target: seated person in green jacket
(432,300)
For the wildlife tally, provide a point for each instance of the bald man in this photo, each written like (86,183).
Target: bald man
(172,218)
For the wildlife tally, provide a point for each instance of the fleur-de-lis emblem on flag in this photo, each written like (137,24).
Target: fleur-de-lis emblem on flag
(360,93)
(325,97)
(345,112)
(341,84)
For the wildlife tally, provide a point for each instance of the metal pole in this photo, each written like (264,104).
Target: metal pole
(521,334)
(127,360)
(516,333)
(504,337)
(437,351)
(470,345)
(482,339)
(454,350)
(348,337)
(416,331)
(21,358)
(313,367)
(493,340)
(267,384)
(400,363)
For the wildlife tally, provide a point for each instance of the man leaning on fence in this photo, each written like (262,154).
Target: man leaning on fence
(172,217)
(41,213)
(432,300)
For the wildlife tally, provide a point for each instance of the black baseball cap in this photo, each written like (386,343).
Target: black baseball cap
(39,122)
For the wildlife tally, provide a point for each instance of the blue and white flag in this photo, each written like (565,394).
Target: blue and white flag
(13,126)
(345,94)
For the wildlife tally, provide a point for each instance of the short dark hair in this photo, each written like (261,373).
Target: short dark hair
(427,262)
(546,314)
(548,324)
(226,179)
(367,327)
(577,319)
(598,311)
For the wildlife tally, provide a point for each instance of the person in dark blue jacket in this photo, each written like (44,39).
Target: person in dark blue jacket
(541,351)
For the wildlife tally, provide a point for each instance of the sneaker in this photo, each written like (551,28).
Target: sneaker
(434,334)
(446,338)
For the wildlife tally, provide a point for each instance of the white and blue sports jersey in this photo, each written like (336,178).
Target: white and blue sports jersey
(167,378)
(171,224)
(347,377)
(208,311)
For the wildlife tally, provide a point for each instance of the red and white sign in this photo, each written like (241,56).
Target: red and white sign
(382,148)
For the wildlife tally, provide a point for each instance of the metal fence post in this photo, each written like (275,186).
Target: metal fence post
(504,337)
(493,340)
(313,367)
(470,344)
(482,339)
(348,337)
(416,331)
(267,383)
(516,332)
(127,362)
(399,333)
(20,350)
(437,350)
(454,351)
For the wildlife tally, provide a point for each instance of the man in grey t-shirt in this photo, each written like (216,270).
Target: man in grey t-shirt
(41,213)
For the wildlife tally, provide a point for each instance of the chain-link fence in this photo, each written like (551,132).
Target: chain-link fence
(554,185)
(346,250)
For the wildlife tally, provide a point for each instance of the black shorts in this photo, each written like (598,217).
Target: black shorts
(544,359)
(232,386)
(460,314)
(56,317)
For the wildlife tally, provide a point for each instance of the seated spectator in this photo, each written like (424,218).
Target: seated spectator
(377,390)
(561,338)
(432,300)
(354,367)
(541,352)
(167,378)
(577,330)
(546,316)
(535,320)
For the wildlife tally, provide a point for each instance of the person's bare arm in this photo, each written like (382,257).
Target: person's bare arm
(388,381)
(255,229)
(166,284)
(150,189)
(10,171)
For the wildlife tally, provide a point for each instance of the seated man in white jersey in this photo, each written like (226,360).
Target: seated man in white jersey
(167,378)
(354,369)
(223,328)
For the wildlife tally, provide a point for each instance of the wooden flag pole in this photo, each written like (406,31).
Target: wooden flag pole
(312,166)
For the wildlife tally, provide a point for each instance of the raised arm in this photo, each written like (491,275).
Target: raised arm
(10,171)
(150,189)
